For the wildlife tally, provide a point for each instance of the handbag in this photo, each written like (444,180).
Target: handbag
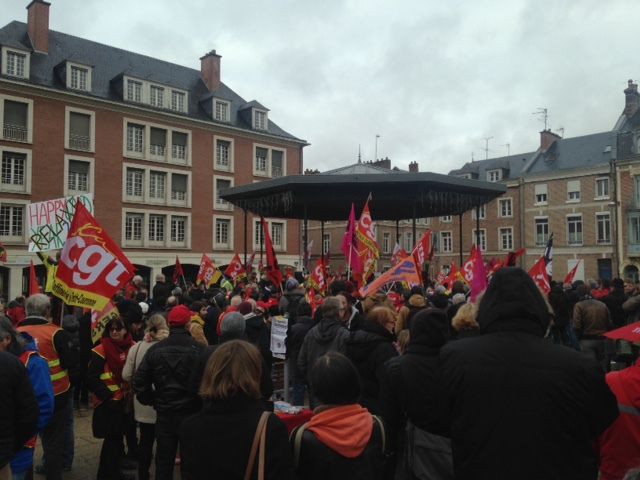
(258,447)
(427,456)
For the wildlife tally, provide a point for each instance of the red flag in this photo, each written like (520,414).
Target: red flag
(424,248)
(92,267)
(3,253)
(454,275)
(571,275)
(34,287)
(349,244)
(235,270)
(510,261)
(178,272)
(398,254)
(318,278)
(273,270)
(441,277)
(405,271)
(208,272)
(368,249)
(479,279)
(539,275)
(467,267)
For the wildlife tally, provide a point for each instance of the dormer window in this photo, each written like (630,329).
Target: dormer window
(134,90)
(465,175)
(178,101)
(221,110)
(78,77)
(494,175)
(15,63)
(259,119)
(156,96)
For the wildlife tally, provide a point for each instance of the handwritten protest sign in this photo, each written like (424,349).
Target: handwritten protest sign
(278,336)
(48,222)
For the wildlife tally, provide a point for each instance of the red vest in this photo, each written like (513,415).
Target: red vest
(24,358)
(107,378)
(43,335)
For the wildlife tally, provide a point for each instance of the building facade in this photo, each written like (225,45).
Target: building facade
(152,142)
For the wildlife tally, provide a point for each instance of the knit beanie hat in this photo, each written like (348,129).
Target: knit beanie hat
(130,312)
(233,323)
(179,316)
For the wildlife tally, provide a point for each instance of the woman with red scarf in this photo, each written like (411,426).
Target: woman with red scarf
(104,379)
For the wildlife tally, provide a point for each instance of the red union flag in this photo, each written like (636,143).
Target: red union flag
(92,267)
(235,270)
(422,250)
(208,272)
(539,275)
(317,279)
(404,271)
(467,267)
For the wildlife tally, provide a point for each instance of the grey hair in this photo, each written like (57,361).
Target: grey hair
(234,323)
(37,305)
(160,277)
(331,307)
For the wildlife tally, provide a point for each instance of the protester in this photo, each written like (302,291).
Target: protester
(54,346)
(415,303)
(293,342)
(106,383)
(350,315)
(18,410)
(369,348)
(217,442)
(591,319)
(522,407)
(290,299)
(162,380)
(464,322)
(156,331)
(160,293)
(342,440)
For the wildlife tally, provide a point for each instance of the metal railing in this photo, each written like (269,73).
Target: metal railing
(17,133)
(79,142)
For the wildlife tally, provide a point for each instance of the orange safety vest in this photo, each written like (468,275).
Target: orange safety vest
(24,358)
(43,335)
(107,378)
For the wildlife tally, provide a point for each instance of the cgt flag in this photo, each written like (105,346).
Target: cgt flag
(539,275)
(100,320)
(572,273)
(273,269)
(404,271)
(423,251)
(317,279)
(92,267)
(208,272)
(235,270)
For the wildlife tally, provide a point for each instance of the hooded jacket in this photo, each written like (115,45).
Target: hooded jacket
(519,406)
(329,335)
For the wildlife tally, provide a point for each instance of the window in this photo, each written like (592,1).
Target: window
(482,241)
(386,243)
(156,96)
(636,191)
(408,241)
(574,229)
(133,227)
(79,131)
(258,237)
(261,160)
(259,119)
(573,191)
(158,142)
(156,228)
(78,176)
(542,231)
(483,213)
(223,233)
(11,221)
(16,64)
(178,229)
(603,228)
(178,101)
(220,184)
(179,146)
(505,207)
(157,181)
(494,175)
(634,229)
(277,235)
(541,194)
(221,112)
(179,187)
(135,138)
(326,243)
(79,78)
(506,239)
(223,153)
(16,121)
(446,242)
(13,171)
(134,183)
(445,219)
(602,187)
(134,91)
(276,163)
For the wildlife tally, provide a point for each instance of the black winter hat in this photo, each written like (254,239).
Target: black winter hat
(130,312)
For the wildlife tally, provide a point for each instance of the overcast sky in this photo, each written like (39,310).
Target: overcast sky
(432,78)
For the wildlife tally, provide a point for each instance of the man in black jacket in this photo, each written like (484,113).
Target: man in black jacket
(161,291)
(18,410)
(520,406)
(162,380)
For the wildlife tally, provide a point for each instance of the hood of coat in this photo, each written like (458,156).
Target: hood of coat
(429,328)
(362,342)
(513,302)
(325,331)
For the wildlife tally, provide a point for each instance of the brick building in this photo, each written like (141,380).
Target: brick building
(153,142)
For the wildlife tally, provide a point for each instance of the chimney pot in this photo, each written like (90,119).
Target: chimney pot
(210,70)
(38,25)
(547,137)
(631,99)
(413,167)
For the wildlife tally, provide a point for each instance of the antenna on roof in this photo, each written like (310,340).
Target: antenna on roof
(472,159)
(543,112)
(359,155)
(486,147)
(561,130)
(508,145)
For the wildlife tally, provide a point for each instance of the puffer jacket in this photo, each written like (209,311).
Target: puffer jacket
(162,380)
(369,349)
(329,335)
(415,303)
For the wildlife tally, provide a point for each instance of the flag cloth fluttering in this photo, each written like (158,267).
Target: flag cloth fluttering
(368,249)
(398,254)
(539,275)
(479,278)
(273,270)
(510,261)
(548,257)
(349,244)
(423,251)
(235,270)
(3,253)
(572,273)
(467,267)
(404,271)
(34,287)
(208,273)
(178,272)
(318,278)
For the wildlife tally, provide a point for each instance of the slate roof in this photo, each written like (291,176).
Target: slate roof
(512,165)
(110,63)
(360,169)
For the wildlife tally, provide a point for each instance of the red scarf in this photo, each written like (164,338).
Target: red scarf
(116,354)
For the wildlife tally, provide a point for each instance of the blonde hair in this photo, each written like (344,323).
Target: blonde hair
(377,300)
(403,340)
(381,314)
(155,325)
(465,318)
(235,367)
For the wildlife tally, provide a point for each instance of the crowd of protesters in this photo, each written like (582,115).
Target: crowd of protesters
(415,383)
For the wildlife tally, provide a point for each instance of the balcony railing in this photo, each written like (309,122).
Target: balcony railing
(179,152)
(157,150)
(79,142)
(276,172)
(17,133)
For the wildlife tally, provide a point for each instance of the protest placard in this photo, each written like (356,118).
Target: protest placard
(278,336)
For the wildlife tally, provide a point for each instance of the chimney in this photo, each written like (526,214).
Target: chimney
(413,167)
(383,163)
(210,70)
(547,137)
(631,99)
(38,25)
